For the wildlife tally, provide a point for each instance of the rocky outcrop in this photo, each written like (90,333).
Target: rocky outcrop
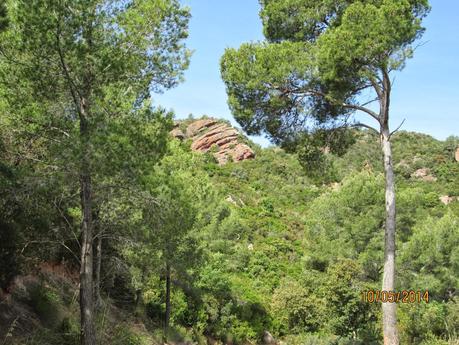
(424,174)
(177,133)
(235,201)
(446,199)
(198,126)
(457,155)
(219,135)
(211,134)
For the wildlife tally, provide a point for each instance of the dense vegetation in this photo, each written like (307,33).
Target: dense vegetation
(320,63)
(260,245)
(113,232)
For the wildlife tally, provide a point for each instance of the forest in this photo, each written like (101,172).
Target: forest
(124,224)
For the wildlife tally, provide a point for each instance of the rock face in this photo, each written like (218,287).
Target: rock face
(208,134)
(457,155)
(177,133)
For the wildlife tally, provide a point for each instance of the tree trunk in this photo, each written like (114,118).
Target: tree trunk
(88,334)
(390,332)
(138,298)
(168,300)
(97,273)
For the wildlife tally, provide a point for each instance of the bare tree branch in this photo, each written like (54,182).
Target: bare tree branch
(359,124)
(73,89)
(362,109)
(53,242)
(399,126)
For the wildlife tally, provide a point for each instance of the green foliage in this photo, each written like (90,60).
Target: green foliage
(347,314)
(47,304)
(253,246)
(426,323)
(431,256)
(247,257)
(77,78)
(70,331)
(123,335)
(318,57)
(3,17)
(297,309)
(347,222)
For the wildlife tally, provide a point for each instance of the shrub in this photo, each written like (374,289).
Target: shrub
(123,335)
(47,304)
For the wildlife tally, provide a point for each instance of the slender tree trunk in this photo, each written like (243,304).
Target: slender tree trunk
(88,334)
(168,299)
(97,273)
(138,298)
(390,332)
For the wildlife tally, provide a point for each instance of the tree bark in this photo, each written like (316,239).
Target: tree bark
(88,334)
(98,299)
(390,332)
(138,298)
(168,300)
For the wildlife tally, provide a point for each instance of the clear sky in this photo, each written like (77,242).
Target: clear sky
(425,93)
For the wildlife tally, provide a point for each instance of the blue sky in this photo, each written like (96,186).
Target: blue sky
(425,93)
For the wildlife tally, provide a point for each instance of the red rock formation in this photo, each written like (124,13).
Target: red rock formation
(208,133)
(197,126)
(215,136)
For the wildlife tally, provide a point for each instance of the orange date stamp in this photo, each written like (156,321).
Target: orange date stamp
(405,296)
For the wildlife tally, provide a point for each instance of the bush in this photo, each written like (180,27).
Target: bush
(423,323)
(155,311)
(47,304)
(70,331)
(296,310)
(123,335)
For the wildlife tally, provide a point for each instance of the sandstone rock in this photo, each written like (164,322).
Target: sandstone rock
(335,186)
(199,125)
(445,199)
(213,137)
(424,174)
(457,155)
(420,173)
(235,201)
(221,157)
(208,133)
(231,200)
(177,133)
(325,150)
(241,152)
(403,164)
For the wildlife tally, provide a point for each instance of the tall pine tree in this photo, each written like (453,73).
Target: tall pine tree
(307,78)
(89,61)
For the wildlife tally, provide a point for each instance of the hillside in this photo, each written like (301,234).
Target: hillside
(275,251)
(123,225)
